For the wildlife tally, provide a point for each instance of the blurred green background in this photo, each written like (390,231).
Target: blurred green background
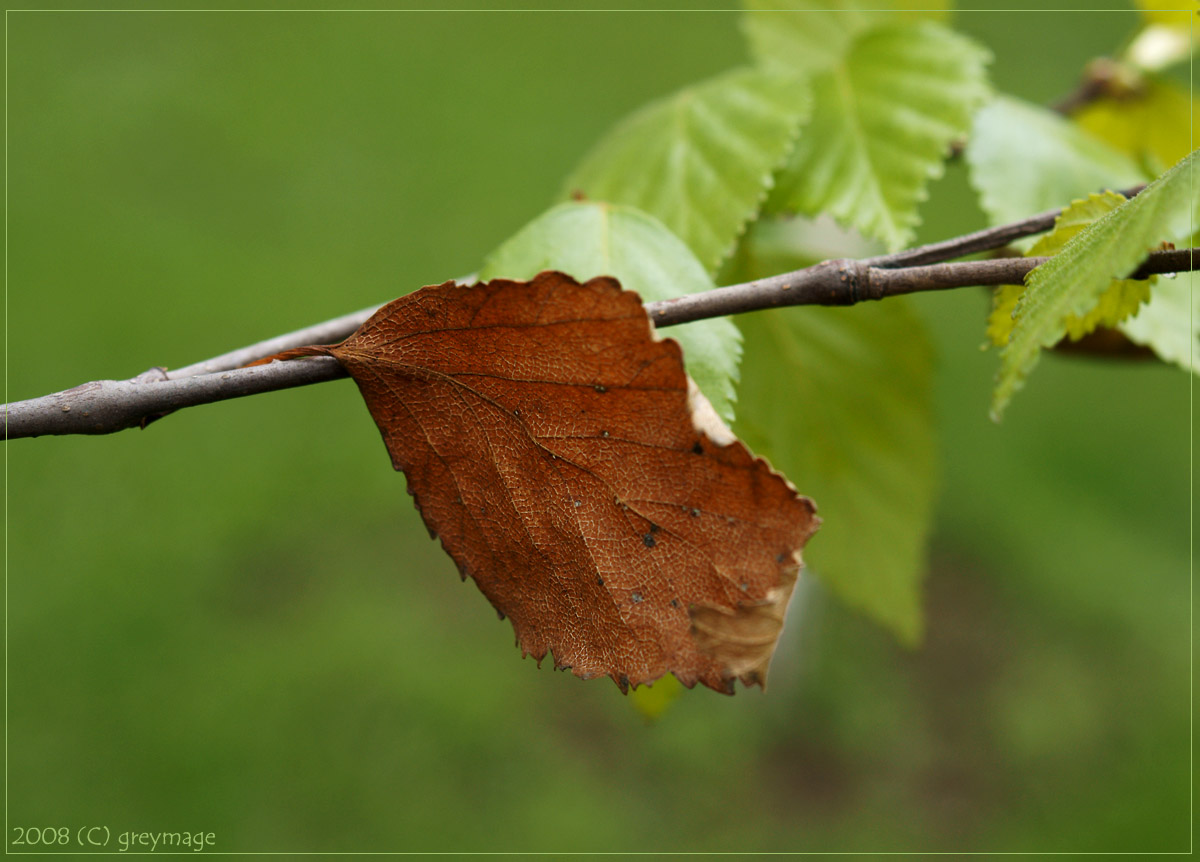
(234,621)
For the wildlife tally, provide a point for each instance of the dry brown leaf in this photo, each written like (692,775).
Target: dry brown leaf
(552,443)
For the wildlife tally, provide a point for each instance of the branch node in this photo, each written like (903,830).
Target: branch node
(854,283)
(157,374)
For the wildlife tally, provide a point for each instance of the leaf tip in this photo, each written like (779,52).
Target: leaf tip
(743,639)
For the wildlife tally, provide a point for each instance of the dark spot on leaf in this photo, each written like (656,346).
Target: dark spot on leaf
(697,448)
(695,513)
(599,388)
(600,581)
(779,558)
(674,603)
(603,433)
(623,682)
(635,597)
(648,540)
(743,586)
(654,528)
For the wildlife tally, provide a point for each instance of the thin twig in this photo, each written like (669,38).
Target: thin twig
(340,328)
(846,282)
(105,406)
(1102,78)
(972,243)
(329,332)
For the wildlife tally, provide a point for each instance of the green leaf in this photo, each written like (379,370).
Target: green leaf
(701,160)
(883,120)
(814,35)
(1147,124)
(1120,300)
(654,699)
(840,400)
(1072,282)
(1169,324)
(585,240)
(1025,160)
(1000,319)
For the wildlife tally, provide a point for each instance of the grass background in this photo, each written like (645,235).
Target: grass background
(234,621)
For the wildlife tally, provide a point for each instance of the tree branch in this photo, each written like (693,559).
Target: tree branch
(329,332)
(847,282)
(988,239)
(341,328)
(105,406)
